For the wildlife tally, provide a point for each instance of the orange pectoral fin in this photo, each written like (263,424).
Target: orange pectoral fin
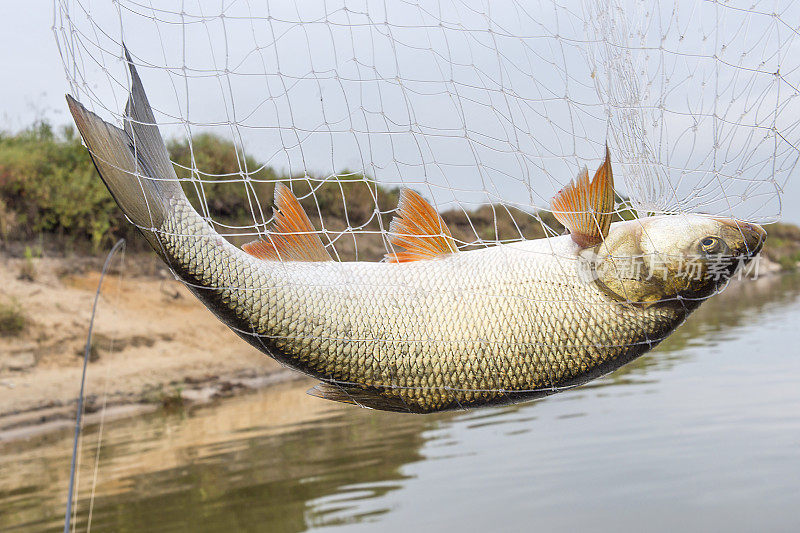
(586,207)
(419,229)
(292,236)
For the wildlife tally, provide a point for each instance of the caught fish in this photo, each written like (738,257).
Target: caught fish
(432,327)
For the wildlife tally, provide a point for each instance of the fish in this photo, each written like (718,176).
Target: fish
(432,327)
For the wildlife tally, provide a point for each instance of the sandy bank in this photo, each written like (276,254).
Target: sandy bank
(154,343)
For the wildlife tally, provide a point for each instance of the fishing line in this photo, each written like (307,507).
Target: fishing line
(120,244)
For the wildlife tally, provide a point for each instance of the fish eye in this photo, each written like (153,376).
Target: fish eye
(711,245)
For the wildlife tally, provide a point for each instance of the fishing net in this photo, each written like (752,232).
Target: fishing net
(485,108)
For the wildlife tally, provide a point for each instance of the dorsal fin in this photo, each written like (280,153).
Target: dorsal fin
(586,207)
(292,236)
(419,229)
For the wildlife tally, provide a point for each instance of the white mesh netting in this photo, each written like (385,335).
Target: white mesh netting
(471,103)
(487,109)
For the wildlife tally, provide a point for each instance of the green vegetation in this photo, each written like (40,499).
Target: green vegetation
(49,187)
(783,245)
(223,168)
(13,319)
(169,397)
(27,271)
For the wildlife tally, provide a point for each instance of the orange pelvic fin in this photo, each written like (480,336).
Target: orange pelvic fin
(586,207)
(292,236)
(419,229)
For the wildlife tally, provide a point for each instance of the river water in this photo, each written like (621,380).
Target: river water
(702,434)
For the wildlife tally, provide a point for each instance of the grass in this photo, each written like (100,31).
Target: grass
(27,272)
(13,319)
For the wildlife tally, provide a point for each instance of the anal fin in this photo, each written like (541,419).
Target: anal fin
(356,395)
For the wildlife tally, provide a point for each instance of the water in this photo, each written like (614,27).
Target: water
(702,434)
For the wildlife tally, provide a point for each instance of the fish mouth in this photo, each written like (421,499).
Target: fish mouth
(751,238)
(754,238)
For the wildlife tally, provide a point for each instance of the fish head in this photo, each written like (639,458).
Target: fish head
(673,258)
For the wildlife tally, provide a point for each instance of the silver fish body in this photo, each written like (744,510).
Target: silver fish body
(473,328)
(481,327)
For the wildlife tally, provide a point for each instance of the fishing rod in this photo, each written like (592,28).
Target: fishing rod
(120,244)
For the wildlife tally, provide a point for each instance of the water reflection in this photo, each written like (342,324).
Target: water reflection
(252,460)
(280,461)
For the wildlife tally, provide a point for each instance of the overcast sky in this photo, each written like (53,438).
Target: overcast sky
(33,79)
(337,124)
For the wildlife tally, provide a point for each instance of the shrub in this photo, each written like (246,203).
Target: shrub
(50,183)
(783,245)
(222,167)
(13,319)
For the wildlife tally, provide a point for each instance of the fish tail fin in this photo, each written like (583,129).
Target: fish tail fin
(133,162)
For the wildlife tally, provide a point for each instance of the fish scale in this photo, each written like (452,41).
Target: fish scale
(483,326)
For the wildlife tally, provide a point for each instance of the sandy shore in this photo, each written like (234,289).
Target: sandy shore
(154,344)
